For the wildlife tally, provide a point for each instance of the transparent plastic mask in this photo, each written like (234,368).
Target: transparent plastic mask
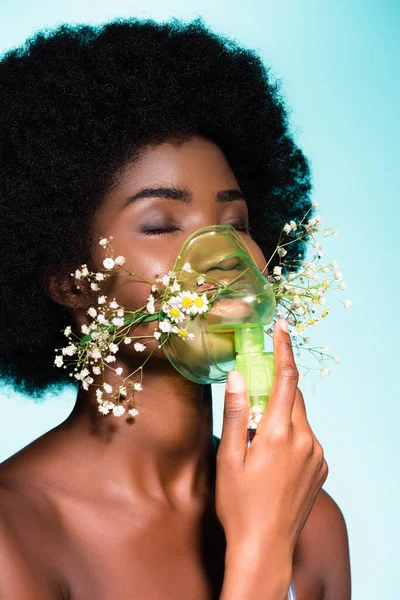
(246,302)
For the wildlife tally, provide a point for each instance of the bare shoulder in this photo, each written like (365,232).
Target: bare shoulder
(23,540)
(322,553)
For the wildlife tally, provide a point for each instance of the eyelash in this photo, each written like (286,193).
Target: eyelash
(161,230)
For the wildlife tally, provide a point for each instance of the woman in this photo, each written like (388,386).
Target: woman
(145,133)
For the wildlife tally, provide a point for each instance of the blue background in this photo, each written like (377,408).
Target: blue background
(338,61)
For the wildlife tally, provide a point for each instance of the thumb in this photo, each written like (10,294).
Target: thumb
(233,442)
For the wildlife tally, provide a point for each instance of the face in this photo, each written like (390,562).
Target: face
(169,192)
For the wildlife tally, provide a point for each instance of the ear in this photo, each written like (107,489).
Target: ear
(67,290)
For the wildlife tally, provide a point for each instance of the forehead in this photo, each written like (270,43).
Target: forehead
(189,162)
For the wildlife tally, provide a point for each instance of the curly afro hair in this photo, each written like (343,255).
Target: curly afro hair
(77,103)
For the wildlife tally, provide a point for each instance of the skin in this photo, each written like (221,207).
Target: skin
(101,505)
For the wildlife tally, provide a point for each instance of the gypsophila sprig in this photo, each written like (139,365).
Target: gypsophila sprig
(174,300)
(301,296)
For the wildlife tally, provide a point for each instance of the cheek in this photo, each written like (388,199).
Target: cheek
(258,255)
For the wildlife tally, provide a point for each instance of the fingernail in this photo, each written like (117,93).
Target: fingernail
(235,382)
(284,325)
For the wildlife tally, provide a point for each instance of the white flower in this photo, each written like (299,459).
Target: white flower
(108,263)
(96,370)
(342,285)
(92,312)
(324,372)
(150,304)
(200,304)
(186,267)
(94,287)
(99,395)
(127,340)
(122,390)
(96,354)
(165,280)
(277,270)
(315,204)
(281,251)
(335,264)
(287,228)
(99,276)
(118,411)
(165,326)
(101,318)
(182,333)
(114,304)
(110,358)
(154,288)
(119,371)
(113,348)
(120,260)
(186,299)
(200,280)
(69,350)
(336,359)
(347,303)
(118,322)
(85,329)
(67,331)
(103,409)
(103,242)
(120,313)
(133,412)
(174,313)
(175,287)
(301,376)
(58,361)
(139,347)
(338,275)
(107,388)
(102,299)
(325,350)
(293,225)
(137,387)
(157,335)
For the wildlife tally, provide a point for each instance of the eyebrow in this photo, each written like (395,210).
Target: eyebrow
(182,195)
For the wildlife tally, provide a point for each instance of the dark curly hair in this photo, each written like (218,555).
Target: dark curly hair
(77,103)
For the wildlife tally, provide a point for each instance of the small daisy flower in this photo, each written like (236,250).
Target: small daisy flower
(186,301)
(174,314)
(200,304)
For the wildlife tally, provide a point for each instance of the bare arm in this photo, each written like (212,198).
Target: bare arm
(257,573)
(325,547)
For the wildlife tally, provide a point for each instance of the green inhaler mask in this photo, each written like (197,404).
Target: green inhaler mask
(230,335)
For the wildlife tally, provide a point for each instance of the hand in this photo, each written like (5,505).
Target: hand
(265,493)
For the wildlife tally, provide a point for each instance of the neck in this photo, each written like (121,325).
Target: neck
(165,452)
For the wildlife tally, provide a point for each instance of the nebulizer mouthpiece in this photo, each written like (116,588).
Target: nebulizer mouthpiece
(230,334)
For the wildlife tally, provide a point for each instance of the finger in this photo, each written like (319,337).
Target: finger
(299,413)
(235,419)
(283,390)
